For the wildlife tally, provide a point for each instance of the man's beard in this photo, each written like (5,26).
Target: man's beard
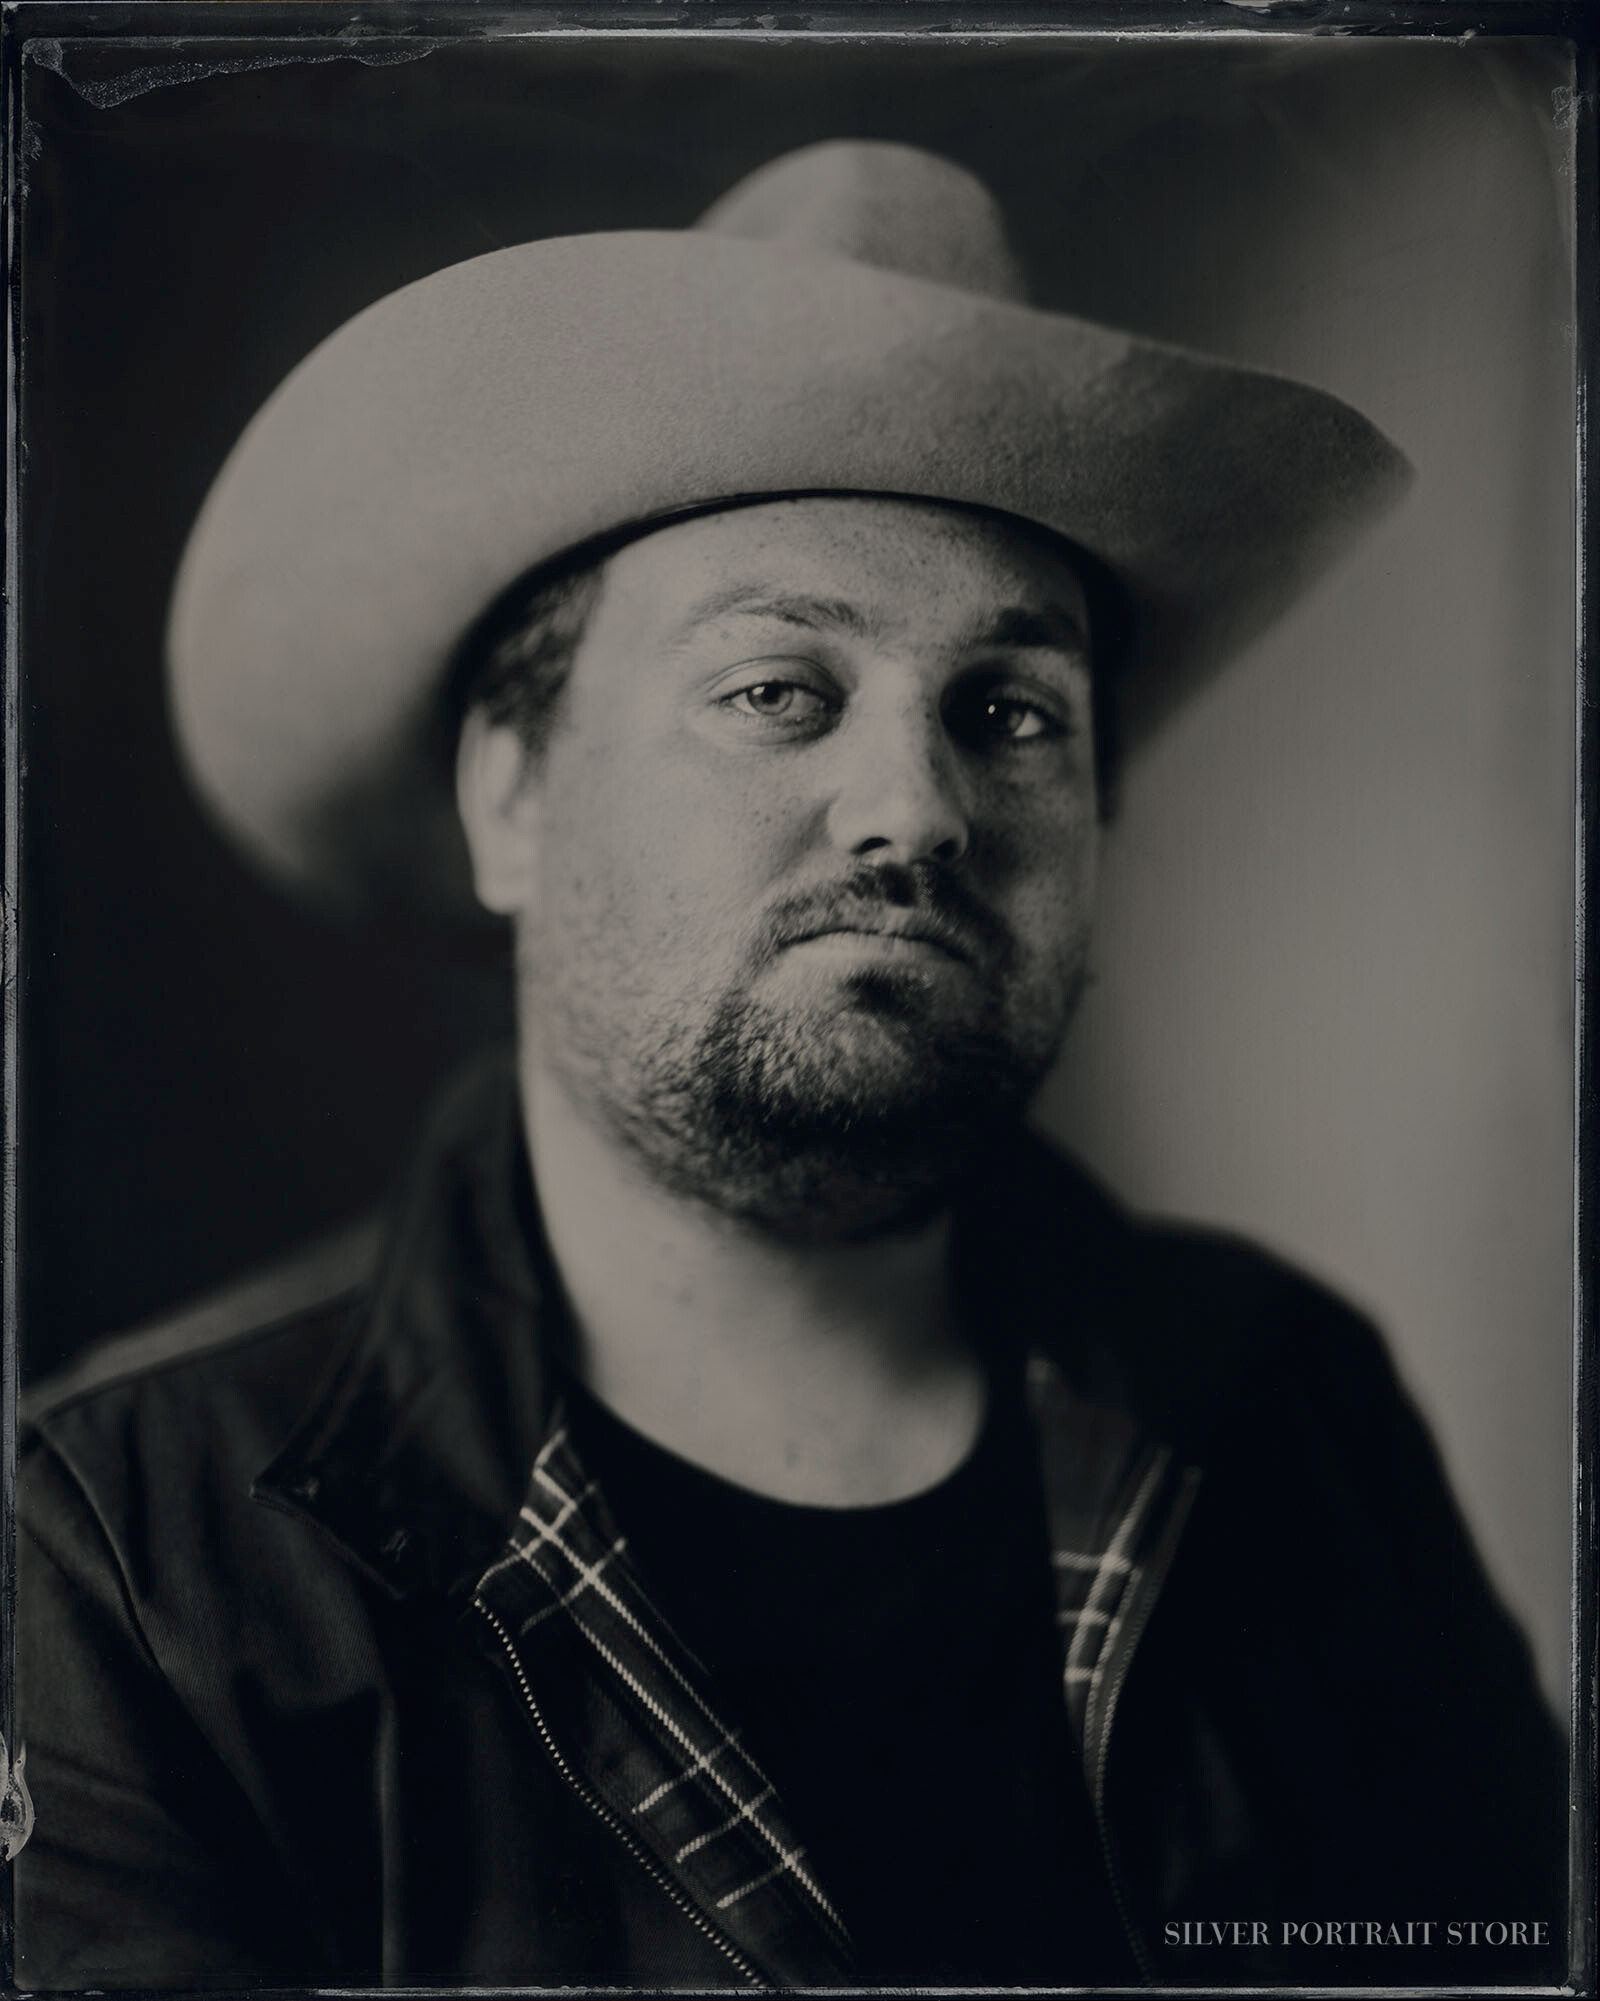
(838,1121)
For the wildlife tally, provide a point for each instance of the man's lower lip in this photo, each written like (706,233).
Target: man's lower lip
(877,944)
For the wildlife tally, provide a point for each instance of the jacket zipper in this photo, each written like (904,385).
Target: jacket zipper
(1150,1587)
(1108,1848)
(607,1818)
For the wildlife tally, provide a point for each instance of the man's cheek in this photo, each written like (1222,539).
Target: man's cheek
(1051,916)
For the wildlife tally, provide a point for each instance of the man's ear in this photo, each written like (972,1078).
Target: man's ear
(499,808)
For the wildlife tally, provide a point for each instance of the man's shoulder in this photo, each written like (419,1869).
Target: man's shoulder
(229,1372)
(1180,1320)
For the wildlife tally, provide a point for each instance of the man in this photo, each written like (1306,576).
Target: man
(759,1517)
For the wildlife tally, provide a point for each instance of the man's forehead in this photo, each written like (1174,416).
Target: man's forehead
(848,564)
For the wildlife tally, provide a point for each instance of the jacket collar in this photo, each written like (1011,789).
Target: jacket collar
(415,1450)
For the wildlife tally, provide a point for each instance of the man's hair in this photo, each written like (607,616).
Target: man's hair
(513,663)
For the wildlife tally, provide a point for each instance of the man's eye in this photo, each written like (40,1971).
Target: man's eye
(993,716)
(1016,719)
(778,701)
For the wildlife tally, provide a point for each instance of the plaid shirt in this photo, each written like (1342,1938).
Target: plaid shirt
(670,1776)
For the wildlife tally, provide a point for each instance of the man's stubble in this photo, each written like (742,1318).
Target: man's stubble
(839,1116)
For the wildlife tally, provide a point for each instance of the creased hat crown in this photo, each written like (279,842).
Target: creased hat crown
(895,207)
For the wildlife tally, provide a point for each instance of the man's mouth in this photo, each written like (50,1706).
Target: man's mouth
(892,913)
(913,939)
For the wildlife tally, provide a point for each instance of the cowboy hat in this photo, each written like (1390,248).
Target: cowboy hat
(847,319)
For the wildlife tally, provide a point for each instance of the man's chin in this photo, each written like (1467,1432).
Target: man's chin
(871,1062)
(845,1128)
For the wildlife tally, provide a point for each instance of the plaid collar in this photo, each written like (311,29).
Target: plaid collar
(669,1774)
(410,1458)
(652,1756)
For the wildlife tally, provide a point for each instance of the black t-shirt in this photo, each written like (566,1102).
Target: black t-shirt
(896,1673)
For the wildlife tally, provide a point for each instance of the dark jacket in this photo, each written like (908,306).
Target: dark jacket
(318,1686)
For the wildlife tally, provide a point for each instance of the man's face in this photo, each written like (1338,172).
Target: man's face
(802,879)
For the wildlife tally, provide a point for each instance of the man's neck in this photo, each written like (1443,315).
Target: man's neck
(832,1375)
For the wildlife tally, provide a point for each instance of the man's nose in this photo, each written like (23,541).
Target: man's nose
(902,796)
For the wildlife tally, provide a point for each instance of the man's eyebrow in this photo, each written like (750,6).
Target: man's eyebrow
(1052,625)
(761,601)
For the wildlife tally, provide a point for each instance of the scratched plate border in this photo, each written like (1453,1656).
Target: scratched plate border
(116,50)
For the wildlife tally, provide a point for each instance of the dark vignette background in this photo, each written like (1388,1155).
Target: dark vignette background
(211,1075)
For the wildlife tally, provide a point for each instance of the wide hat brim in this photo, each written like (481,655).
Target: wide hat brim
(499,412)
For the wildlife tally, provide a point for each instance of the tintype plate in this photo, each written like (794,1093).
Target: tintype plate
(1335,1005)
